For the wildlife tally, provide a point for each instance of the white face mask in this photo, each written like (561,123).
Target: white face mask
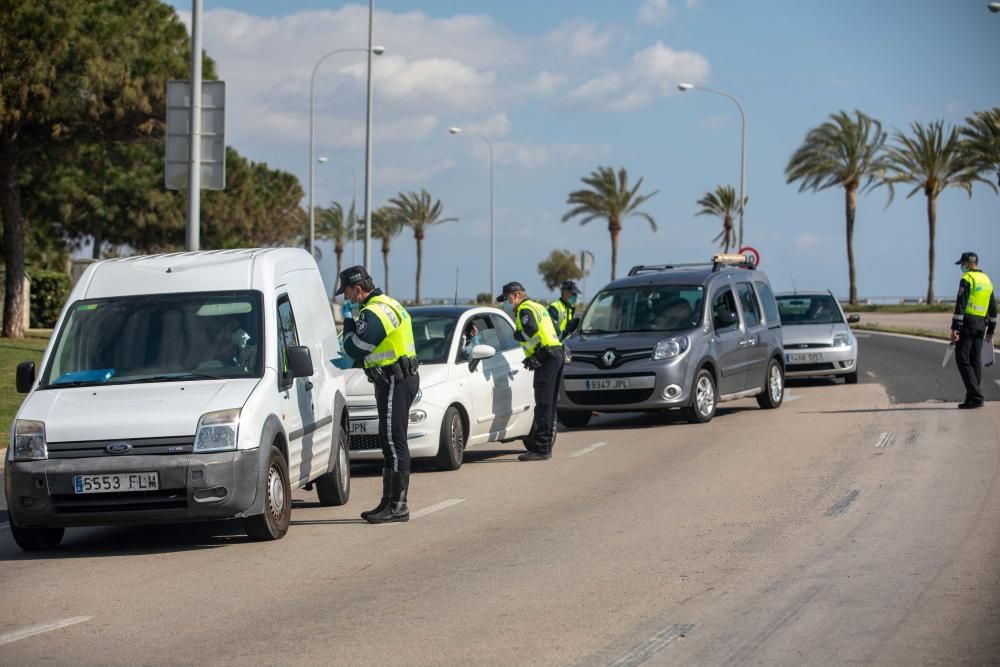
(508,307)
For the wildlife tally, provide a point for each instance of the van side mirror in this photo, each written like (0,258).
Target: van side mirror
(300,363)
(726,319)
(25,376)
(853,318)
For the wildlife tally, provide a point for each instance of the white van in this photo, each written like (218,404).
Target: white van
(181,387)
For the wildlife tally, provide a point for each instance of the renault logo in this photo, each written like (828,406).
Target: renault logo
(609,357)
(118,448)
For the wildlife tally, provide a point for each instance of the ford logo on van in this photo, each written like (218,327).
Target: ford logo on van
(118,448)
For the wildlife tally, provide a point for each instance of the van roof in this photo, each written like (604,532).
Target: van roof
(208,270)
(683,276)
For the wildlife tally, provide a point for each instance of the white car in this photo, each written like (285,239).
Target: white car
(817,337)
(472,389)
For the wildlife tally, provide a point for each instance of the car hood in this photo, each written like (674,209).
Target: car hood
(800,334)
(161,410)
(430,375)
(619,341)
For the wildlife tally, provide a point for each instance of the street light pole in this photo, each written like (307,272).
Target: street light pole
(683,87)
(493,277)
(368,144)
(378,50)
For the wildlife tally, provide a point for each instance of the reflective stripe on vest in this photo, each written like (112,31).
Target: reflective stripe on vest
(565,315)
(398,341)
(546,335)
(980,290)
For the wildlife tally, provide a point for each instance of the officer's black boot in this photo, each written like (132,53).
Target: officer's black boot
(396,510)
(386,493)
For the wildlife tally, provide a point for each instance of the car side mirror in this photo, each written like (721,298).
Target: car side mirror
(853,318)
(482,351)
(300,363)
(25,376)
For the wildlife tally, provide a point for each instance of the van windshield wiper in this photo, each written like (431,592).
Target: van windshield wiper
(597,331)
(178,377)
(73,383)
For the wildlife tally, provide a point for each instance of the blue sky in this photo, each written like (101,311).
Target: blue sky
(562,87)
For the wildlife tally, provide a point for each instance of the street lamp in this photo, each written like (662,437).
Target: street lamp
(354,199)
(458,130)
(994,7)
(684,87)
(378,50)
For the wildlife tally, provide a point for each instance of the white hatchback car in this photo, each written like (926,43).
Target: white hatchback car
(473,388)
(817,337)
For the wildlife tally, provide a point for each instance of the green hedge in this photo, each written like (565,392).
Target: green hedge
(49,291)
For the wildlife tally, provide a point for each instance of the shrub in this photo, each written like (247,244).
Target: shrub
(49,291)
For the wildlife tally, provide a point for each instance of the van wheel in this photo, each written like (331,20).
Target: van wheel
(574,418)
(273,523)
(36,538)
(851,378)
(334,486)
(704,399)
(774,387)
(451,445)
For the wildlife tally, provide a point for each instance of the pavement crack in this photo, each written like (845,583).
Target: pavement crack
(843,503)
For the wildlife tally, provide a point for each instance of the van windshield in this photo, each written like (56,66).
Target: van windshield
(645,308)
(158,338)
(809,309)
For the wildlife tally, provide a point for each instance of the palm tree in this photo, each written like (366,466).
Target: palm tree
(722,204)
(845,152)
(981,141)
(385,227)
(931,160)
(332,226)
(609,198)
(418,211)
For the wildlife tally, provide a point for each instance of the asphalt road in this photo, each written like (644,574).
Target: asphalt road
(842,528)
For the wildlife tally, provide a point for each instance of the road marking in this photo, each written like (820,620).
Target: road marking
(437,507)
(33,630)
(789,397)
(885,439)
(653,645)
(587,450)
(843,503)
(870,374)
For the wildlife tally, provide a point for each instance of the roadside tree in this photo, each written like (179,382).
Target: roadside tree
(559,267)
(418,211)
(981,141)
(385,227)
(722,204)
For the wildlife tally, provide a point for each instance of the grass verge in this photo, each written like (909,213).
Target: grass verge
(13,352)
(910,331)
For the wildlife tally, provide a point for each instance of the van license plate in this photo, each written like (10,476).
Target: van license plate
(804,358)
(361,428)
(608,384)
(124,482)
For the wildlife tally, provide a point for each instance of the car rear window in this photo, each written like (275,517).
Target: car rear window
(809,309)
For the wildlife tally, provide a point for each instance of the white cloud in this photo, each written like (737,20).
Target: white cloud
(581,39)
(715,122)
(411,176)
(494,126)
(807,241)
(656,12)
(535,156)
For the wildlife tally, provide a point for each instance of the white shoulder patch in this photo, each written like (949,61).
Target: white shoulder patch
(360,326)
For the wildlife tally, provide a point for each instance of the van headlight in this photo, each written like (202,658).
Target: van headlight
(217,431)
(29,441)
(670,348)
(842,339)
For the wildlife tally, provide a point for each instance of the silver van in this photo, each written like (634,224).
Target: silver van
(685,336)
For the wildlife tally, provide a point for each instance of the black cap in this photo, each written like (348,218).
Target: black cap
(570,286)
(508,289)
(350,277)
(970,257)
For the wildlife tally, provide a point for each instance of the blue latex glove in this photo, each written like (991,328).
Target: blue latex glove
(343,362)
(347,310)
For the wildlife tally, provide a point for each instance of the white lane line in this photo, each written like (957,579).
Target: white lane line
(587,450)
(33,630)
(885,439)
(653,645)
(437,507)
(870,374)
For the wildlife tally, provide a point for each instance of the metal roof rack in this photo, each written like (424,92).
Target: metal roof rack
(718,262)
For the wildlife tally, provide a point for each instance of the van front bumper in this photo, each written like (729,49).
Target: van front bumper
(636,386)
(192,487)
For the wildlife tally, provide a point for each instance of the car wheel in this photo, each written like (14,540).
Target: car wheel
(574,418)
(704,399)
(334,486)
(272,524)
(36,538)
(451,446)
(851,378)
(774,387)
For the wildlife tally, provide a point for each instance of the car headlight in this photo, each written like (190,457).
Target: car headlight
(217,431)
(29,441)
(842,339)
(416,399)
(671,347)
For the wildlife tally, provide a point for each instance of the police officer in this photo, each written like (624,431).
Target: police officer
(563,310)
(378,333)
(543,354)
(975,318)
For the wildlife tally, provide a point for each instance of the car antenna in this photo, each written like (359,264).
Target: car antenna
(794,288)
(456,285)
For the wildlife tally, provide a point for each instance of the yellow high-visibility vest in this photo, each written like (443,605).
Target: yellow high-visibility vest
(398,341)
(546,335)
(980,289)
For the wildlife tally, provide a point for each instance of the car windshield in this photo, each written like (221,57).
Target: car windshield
(809,309)
(432,337)
(646,308)
(158,338)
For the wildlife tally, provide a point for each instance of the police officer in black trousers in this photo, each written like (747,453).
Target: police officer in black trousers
(380,337)
(543,354)
(975,319)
